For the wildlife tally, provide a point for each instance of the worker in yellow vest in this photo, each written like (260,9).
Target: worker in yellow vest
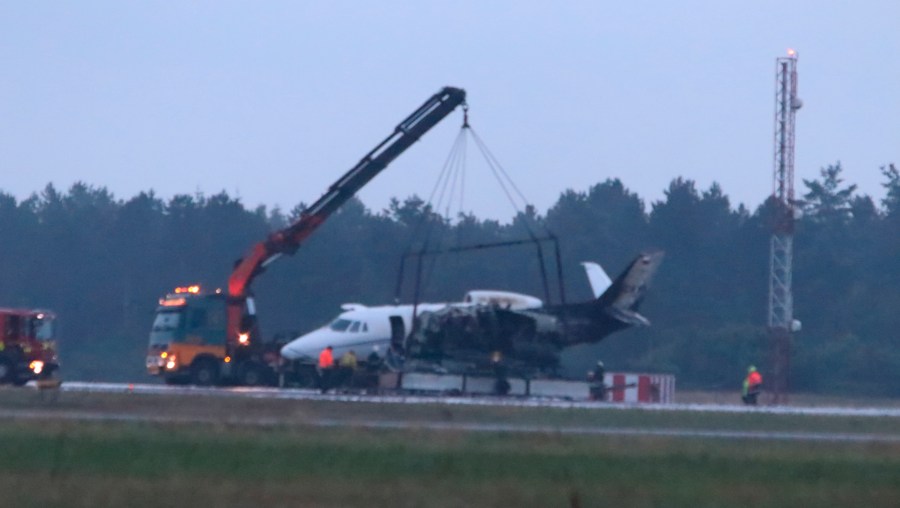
(347,367)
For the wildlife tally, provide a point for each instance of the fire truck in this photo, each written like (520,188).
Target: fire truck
(27,345)
(212,337)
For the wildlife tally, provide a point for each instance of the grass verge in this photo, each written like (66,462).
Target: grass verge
(117,464)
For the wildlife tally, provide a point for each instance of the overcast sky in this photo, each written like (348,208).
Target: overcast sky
(272,101)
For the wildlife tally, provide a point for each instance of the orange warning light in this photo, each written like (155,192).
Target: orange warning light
(188,289)
(172,302)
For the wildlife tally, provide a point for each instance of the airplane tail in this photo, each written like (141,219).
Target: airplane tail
(596,277)
(623,297)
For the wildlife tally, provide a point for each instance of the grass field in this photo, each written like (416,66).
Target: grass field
(290,462)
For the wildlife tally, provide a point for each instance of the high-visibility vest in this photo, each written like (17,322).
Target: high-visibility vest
(348,360)
(325,359)
(754,378)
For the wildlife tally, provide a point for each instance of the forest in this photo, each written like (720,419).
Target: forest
(101,263)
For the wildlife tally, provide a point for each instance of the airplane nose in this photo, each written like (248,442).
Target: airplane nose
(293,350)
(288,351)
(301,348)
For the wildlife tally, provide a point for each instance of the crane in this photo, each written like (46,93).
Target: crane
(205,338)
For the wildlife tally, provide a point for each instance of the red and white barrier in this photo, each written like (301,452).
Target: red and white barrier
(627,387)
(620,386)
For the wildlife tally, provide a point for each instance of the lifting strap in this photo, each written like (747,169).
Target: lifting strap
(448,195)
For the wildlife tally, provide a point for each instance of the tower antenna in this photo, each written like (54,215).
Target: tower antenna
(781,322)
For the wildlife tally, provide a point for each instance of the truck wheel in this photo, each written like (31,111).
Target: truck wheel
(204,373)
(6,371)
(252,375)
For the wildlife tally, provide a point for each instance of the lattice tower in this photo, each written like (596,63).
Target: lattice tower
(781,323)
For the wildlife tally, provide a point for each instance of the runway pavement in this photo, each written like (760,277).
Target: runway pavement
(124,414)
(307,394)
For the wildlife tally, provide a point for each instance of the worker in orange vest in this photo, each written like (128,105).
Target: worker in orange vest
(326,365)
(752,384)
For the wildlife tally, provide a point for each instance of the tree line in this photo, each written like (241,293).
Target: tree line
(101,264)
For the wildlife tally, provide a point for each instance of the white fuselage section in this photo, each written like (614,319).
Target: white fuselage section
(368,329)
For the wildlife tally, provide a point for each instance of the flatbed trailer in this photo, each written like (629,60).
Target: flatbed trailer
(615,387)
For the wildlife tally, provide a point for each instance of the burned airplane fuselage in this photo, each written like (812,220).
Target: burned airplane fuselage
(530,338)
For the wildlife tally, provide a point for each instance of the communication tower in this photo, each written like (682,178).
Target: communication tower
(781,322)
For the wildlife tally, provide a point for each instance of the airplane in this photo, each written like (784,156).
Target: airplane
(485,325)
(365,329)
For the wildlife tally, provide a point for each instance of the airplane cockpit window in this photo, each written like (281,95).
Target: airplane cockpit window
(365,327)
(340,325)
(354,327)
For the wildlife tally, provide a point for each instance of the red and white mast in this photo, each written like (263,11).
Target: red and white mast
(781,322)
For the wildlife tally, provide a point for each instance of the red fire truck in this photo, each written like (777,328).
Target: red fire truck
(27,345)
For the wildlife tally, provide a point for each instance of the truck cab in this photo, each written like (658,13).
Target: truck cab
(27,345)
(189,341)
